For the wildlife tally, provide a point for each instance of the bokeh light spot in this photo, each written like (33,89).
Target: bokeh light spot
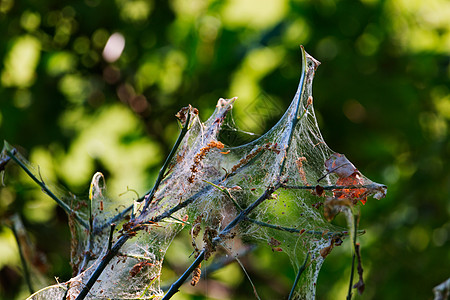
(354,111)
(419,238)
(61,62)
(327,48)
(74,87)
(22,98)
(441,100)
(30,20)
(135,10)
(99,38)
(297,32)
(440,236)
(433,125)
(6,5)
(367,44)
(21,62)
(253,13)
(81,45)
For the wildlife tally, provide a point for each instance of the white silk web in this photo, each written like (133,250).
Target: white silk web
(279,191)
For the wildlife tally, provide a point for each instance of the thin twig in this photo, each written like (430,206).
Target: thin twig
(111,232)
(226,260)
(63,205)
(149,196)
(26,271)
(360,284)
(297,278)
(218,264)
(180,221)
(139,257)
(295,230)
(181,205)
(87,255)
(176,285)
(243,214)
(67,291)
(115,219)
(334,187)
(349,295)
(148,286)
(249,279)
(227,193)
(91,217)
(4,161)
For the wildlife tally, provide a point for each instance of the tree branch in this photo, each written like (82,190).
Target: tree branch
(102,265)
(176,285)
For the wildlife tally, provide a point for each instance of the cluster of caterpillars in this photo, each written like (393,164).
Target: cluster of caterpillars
(200,156)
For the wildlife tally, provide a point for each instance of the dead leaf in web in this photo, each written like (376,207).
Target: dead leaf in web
(351,193)
(348,176)
(340,165)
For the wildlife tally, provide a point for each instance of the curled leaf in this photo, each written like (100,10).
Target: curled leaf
(340,165)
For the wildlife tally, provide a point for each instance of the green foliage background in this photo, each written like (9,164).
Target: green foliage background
(381,95)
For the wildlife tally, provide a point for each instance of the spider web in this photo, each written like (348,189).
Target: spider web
(207,186)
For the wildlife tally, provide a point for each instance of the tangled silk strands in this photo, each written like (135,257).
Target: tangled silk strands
(279,191)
